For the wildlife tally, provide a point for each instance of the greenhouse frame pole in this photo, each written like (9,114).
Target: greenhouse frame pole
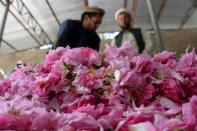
(85,3)
(125,4)
(161,8)
(4,20)
(188,14)
(155,26)
(53,12)
(134,7)
(10,45)
(31,25)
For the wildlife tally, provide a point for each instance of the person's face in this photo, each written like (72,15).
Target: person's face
(124,20)
(94,22)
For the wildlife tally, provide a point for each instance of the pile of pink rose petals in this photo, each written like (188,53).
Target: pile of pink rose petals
(114,90)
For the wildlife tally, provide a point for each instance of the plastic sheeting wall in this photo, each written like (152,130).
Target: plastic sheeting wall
(177,40)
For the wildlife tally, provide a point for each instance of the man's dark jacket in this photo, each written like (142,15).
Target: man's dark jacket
(138,36)
(72,33)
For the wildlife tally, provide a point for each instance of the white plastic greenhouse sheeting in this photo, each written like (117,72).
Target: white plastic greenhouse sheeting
(15,34)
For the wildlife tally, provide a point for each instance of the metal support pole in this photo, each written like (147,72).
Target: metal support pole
(35,20)
(125,4)
(28,21)
(39,43)
(134,6)
(52,11)
(10,45)
(4,19)
(85,3)
(161,7)
(155,25)
(188,14)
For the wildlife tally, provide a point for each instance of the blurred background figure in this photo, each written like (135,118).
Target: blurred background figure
(82,33)
(128,33)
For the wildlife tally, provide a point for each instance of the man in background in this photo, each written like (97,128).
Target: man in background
(128,33)
(75,33)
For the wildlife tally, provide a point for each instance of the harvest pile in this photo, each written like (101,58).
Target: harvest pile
(113,90)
